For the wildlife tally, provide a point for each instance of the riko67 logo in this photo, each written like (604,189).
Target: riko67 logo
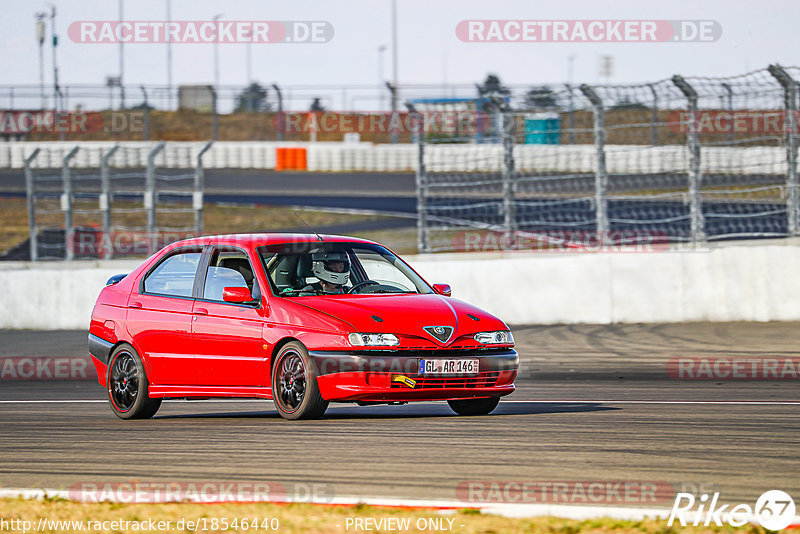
(774,510)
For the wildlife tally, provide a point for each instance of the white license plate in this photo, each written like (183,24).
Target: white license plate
(449,367)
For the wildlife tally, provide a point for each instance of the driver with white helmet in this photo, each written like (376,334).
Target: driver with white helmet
(332,269)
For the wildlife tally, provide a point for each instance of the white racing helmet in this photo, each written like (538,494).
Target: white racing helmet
(321,266)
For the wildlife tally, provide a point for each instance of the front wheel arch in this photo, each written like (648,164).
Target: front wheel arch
(310,404)
(275,350)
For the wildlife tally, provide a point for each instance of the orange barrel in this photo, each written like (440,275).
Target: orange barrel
(280,159)
(302,159)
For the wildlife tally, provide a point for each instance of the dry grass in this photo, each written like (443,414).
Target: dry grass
(318,519)
(400,241)
(217,219)
(13,222)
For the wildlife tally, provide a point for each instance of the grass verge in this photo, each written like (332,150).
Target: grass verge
(306,519)
(217,219)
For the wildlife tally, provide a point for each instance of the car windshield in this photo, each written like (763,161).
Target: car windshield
(314,269)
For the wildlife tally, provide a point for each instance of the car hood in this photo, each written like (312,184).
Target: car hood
(406,314)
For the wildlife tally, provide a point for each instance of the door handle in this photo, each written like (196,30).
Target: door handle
(135,304)
(201,311)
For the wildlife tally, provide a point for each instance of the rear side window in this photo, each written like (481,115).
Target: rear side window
(229,268)
(174,276)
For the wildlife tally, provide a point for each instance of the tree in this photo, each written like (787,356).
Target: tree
(253,98)
(316,105)
(492,86)
(541,97)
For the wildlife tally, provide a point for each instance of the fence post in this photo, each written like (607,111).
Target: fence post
(600,175)
(695,174)
(421,181)
(34,238)
(790,108)
(571,116)
(150,197)
(66,205)
(280,124)
(146,132)
(729,91)
(105,200)
(199,185)
(509,187)
(654,118)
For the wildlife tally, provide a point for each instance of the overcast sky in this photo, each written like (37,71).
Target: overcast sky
(754,34)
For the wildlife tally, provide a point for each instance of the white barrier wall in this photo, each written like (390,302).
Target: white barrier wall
(730,283)
(53,296)
(334,157)
(755,282)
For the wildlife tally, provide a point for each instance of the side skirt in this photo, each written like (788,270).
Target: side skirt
(160,391)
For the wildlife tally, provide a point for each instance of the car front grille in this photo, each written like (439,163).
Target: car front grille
(481,380)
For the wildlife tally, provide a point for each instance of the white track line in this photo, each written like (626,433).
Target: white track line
(608,401)
(49,401)
(530,401)
(90,401)
(501,509)
(564,511)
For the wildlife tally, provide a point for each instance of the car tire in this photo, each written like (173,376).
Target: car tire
(126,383)
(294,384)
(482,406)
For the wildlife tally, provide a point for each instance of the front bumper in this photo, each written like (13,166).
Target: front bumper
(368,375)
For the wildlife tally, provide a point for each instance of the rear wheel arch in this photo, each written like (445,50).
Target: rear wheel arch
(127,384)
(142,355)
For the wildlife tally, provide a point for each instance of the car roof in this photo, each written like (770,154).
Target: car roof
(261,239)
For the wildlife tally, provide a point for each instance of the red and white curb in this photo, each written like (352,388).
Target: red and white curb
(510,510)
(443,506)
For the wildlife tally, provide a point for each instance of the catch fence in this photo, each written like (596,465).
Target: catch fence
(111,210)
(682,160)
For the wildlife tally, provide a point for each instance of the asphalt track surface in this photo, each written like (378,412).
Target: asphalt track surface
(545,211)
(251,181)
(396,192)
(594,403)
(255,181)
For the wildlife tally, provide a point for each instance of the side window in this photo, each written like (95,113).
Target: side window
(174,276)
(228,269)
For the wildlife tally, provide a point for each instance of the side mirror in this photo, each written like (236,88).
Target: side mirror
(443,289)
(238,295)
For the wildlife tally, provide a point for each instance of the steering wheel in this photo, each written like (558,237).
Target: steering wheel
(363,284)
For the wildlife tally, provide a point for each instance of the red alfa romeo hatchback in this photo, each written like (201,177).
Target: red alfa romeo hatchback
(303,320)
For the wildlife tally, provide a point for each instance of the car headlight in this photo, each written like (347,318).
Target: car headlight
(373,340)
(500,337)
